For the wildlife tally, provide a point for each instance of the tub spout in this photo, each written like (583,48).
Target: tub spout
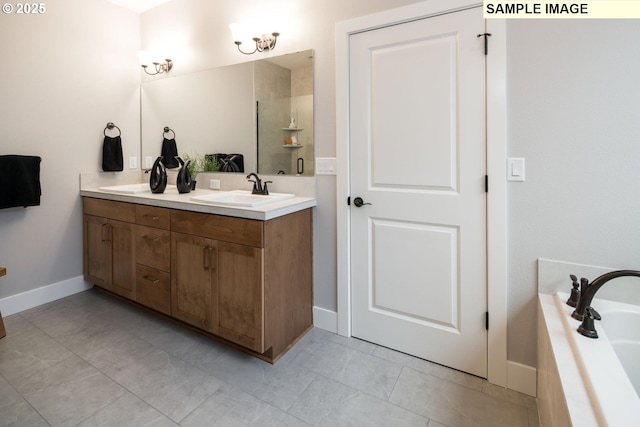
(590,290)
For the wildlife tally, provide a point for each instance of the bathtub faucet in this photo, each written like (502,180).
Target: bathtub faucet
(586,295)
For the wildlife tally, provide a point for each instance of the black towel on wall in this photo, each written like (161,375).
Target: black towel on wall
(169,153)
(112,154)
(19,181)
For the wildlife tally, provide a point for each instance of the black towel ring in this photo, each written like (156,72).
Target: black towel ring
(167,129)
(110,126)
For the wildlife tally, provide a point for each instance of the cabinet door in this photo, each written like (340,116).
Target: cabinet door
(97,251)
(240,298)
(109,259)
(192,268)
(122,237)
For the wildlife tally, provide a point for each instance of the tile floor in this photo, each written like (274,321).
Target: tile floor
(93,360)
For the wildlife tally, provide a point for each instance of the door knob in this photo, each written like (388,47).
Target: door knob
(359,202)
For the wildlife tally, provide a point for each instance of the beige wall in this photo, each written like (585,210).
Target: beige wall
(64,75)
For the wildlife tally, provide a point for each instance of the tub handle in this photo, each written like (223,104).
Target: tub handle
(591,312)
(587,327)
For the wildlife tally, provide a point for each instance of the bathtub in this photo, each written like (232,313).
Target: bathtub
(584,381)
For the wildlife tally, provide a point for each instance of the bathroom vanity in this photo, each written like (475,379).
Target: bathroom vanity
(243,276)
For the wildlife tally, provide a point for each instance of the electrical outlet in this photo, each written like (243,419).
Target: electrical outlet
(214,184)
(148,162)
(133,162)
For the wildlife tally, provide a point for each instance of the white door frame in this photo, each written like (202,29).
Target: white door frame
(496,169)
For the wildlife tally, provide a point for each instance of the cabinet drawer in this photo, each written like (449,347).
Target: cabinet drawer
(153,216)
(229,229)
(153,288)
(153,247)
(109,209)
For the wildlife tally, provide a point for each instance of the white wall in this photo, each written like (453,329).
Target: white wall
(574,114)
(64,75)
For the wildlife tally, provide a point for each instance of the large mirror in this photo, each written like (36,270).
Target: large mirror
(254,117)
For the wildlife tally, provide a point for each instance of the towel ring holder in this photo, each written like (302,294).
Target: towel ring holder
(110,126)
(167,129)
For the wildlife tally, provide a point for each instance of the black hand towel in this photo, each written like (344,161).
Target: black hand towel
(19,181)
(112,154)
(169,153)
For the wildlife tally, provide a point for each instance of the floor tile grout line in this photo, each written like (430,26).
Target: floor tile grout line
(90,364)
(24,399)
(103,373)
(320,339)
(445,380)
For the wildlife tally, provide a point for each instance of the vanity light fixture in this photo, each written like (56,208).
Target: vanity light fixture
(266,42)
(160,67)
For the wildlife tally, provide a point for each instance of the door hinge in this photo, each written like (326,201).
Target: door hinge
(349,200)
(486,321)
(486,183)
(486,42)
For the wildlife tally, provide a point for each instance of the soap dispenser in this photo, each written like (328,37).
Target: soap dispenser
(183,182)
(158,178)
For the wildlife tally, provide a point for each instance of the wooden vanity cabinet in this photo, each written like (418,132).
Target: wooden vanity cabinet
(246,281)
(109,255)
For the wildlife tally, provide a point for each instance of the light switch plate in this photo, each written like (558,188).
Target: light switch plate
(515,169)
(133,162)
(325,165)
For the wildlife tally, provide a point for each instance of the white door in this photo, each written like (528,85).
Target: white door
(418,156)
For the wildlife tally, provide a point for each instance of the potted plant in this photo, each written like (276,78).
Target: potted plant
(199,163)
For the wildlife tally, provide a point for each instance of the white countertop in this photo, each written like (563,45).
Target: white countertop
(174,200)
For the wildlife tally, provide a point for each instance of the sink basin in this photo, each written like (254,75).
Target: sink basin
(132,188)
(241,198)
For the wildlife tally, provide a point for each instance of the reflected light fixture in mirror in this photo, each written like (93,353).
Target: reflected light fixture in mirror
(266,42)
(160,67)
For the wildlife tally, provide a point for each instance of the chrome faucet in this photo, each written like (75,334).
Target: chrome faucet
(590,290)
(257,185)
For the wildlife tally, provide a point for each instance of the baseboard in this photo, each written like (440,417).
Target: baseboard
(325,319)
(35,297)
(521,378)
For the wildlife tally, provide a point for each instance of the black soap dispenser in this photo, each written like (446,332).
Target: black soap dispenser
(183,182)
(158,178)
